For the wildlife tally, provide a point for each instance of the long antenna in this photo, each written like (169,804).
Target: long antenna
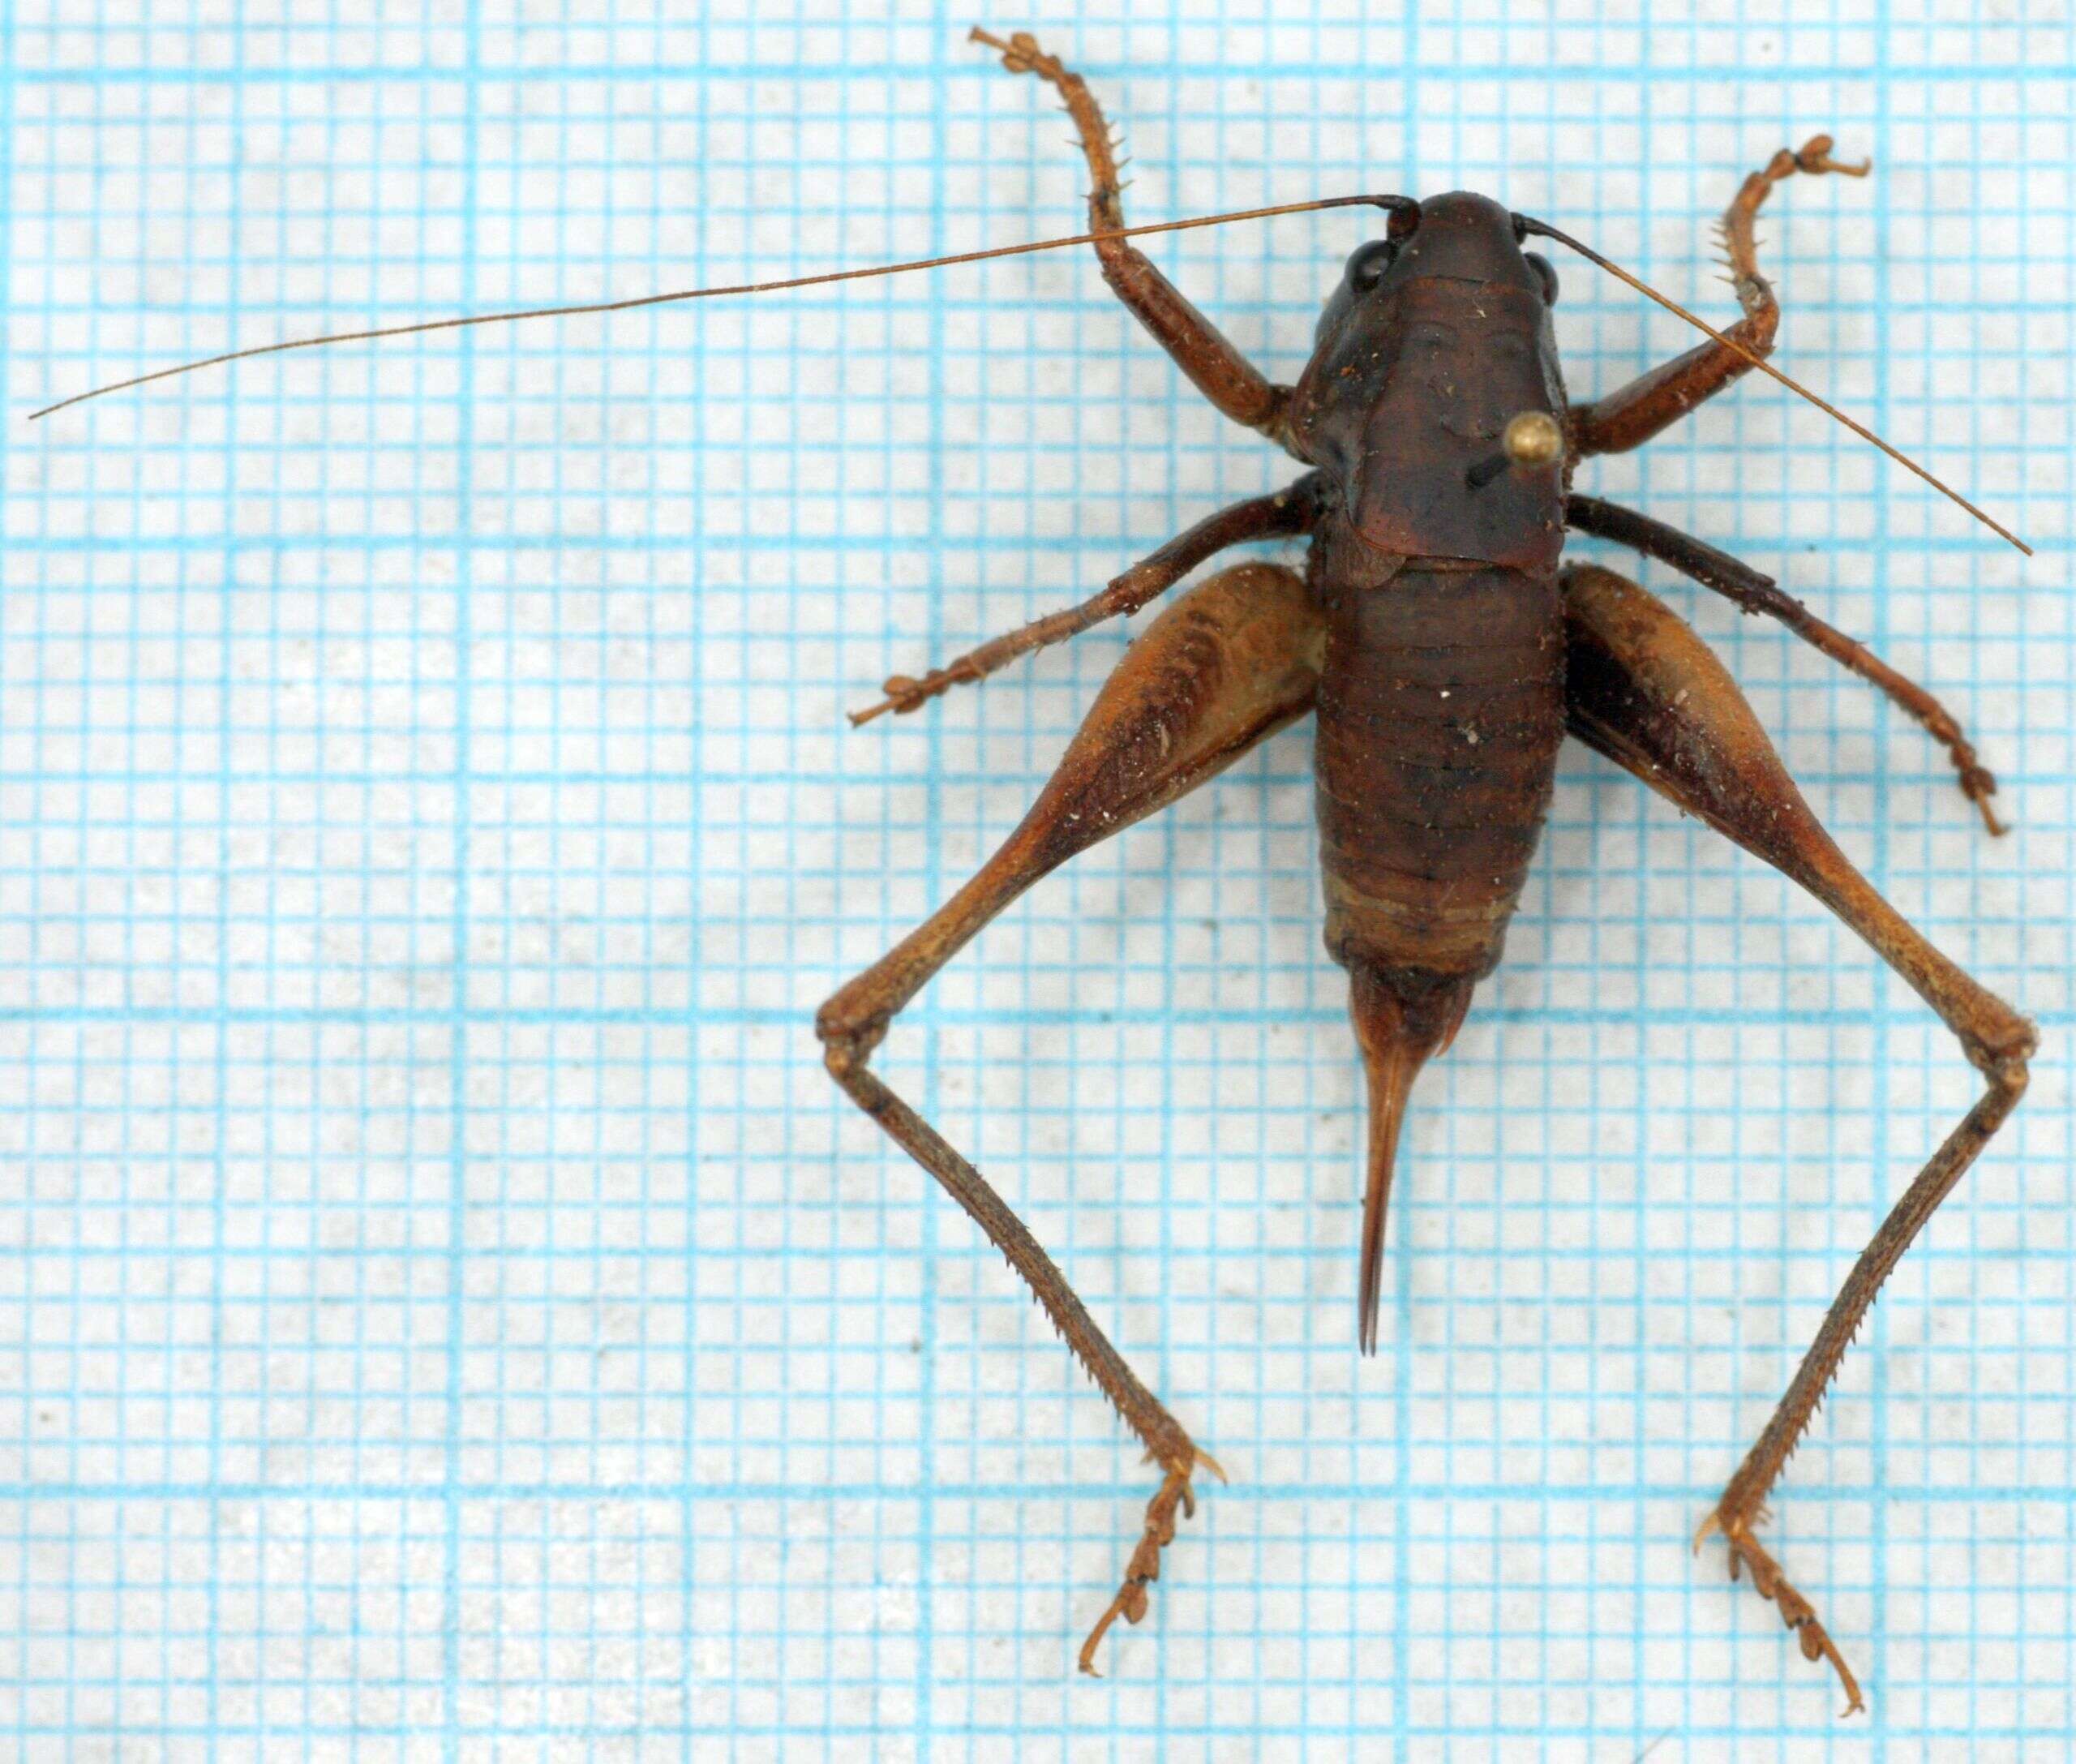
(741,288)
(1543,230)
(1539,228)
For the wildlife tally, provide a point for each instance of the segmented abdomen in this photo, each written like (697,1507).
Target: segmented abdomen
(1440,709)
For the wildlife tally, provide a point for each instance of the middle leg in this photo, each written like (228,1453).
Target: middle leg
(1757,592)
(1282,514)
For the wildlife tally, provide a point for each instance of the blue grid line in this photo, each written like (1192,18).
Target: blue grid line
(430,825)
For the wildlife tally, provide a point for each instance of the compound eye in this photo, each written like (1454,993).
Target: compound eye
(1368,263)
(1548,277)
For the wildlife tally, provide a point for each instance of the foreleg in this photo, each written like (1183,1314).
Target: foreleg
(1631,416)
(1215,367)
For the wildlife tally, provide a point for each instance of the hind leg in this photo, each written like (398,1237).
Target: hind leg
(1644,690)
(1234,659)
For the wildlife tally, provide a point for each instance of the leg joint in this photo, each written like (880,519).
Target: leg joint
(847,1035)
(2009,1074)
(2001,1055)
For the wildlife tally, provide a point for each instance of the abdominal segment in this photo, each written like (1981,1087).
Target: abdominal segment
(1440,709)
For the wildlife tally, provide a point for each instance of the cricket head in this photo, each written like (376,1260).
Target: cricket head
(1433,399)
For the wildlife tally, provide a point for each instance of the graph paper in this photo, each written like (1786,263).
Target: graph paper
(448,1313)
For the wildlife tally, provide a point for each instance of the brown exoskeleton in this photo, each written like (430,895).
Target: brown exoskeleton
(1445,651)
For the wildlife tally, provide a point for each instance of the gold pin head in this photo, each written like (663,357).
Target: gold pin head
(1533,440)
